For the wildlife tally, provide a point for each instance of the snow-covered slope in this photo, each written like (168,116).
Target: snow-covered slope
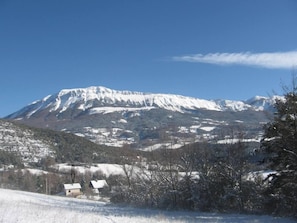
(264,103)
(103,100)
(23,207)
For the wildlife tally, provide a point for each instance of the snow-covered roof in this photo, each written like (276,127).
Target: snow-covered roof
(72,186)
(99,184)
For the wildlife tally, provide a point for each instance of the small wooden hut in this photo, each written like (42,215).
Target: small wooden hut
(72,190)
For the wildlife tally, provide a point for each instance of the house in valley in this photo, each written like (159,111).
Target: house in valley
(98,186)
(72,190)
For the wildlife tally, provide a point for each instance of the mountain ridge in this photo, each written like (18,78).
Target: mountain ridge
(92,97)
(146,121)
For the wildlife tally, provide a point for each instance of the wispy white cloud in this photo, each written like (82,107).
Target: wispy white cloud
(280,60)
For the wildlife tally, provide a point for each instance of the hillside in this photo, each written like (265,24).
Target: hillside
(24,145)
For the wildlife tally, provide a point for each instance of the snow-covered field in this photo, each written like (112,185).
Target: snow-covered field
(19,206)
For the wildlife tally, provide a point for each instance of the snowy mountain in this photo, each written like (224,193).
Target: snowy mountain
(101,99)
(144,120)
(264,103)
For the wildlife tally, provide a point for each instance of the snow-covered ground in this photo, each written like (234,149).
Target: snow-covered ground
(19,206)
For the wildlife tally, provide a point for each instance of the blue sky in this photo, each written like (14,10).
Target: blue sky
(210,49)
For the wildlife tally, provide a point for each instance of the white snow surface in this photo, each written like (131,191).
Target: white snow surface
(72,186)
(105,168)
(234,140)
(98,99)
(23,207)
(85,97)
(106,110)
(263,103)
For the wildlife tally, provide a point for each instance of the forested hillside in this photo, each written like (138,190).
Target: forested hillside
(32,145)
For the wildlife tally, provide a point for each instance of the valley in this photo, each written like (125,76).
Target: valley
(153,150)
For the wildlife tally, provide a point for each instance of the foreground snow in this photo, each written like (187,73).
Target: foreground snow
(19,206)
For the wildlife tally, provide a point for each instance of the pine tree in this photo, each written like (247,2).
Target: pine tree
(280,145)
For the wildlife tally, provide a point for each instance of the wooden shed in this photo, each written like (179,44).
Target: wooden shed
(72,190)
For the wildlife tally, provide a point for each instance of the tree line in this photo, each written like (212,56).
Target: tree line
(207,179)
(196,178)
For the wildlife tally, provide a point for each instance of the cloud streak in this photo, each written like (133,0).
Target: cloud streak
(275,60)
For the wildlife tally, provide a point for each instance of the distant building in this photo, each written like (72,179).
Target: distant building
(72,190)
(98,185)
